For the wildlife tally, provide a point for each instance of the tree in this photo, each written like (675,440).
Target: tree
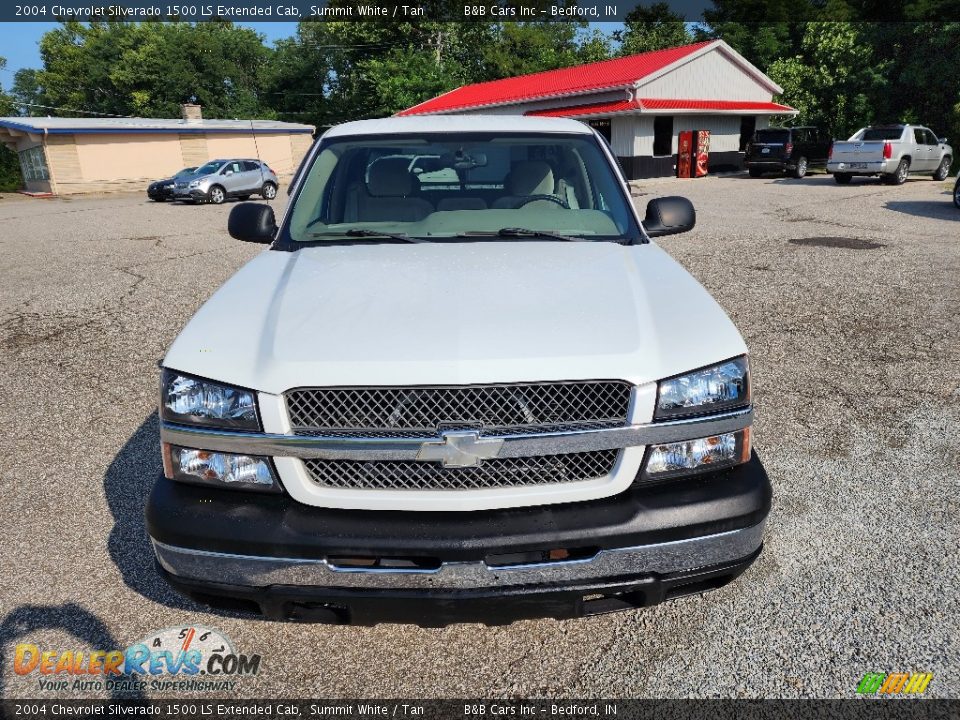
(9,163)
(763,31)
(652,28)
(837,79)
(149,69)
(334,71)
(520,48)
(921,60)
(26,90)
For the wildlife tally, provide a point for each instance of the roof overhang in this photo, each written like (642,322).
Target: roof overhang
(476,109)
(15,127)
(658,106)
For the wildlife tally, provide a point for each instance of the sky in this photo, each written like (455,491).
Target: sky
(19,42)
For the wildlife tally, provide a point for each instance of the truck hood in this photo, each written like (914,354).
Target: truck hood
(455,313)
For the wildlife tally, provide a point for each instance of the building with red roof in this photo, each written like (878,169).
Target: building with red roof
(639,103)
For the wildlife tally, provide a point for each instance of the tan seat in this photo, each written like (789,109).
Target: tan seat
(389,194)
(526,178)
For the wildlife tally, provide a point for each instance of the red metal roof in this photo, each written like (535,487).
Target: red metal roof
(606,74)
(619,106)
(607,108)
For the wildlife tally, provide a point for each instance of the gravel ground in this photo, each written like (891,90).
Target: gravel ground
(857,385)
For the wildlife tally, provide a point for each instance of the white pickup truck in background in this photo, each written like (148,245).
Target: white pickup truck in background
(892,152)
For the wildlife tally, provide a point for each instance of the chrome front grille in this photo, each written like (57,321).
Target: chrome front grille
(531,408)
(496,473)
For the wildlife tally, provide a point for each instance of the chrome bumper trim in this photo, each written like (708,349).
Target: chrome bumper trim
(369,448)
(661,558)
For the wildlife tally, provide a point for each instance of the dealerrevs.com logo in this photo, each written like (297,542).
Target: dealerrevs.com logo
(894,683)
(186,659)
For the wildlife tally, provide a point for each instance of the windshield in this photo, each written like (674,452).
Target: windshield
(210,168)
(772,136)
(447,185)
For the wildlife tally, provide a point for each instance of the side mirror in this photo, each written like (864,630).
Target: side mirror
(252,222)
(669,216)
(943,140)
(228,172)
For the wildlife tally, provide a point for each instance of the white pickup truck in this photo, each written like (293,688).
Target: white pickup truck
(461,385)
(892,152)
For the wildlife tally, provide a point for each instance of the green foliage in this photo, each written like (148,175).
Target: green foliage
(924,83)
(835,81)
(9,171)
(651,28)
(335,71)
(9,163)
(148,69)
(26,89)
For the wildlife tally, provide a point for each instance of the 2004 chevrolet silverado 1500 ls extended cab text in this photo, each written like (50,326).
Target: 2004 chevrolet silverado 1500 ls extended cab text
(462,384)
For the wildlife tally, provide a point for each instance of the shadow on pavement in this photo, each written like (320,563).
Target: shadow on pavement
(127,485)
(22,622)
(942,209)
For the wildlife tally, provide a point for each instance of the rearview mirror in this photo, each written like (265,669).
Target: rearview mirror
(252,222)
(669,216)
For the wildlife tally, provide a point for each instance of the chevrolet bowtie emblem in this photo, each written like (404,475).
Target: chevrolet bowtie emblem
(460,449)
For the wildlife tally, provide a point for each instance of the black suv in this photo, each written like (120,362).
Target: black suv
(787,150)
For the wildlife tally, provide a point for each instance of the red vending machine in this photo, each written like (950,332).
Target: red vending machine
(685,154)
(702,153)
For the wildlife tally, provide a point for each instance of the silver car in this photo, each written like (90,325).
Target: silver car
(892,152)
(220,179)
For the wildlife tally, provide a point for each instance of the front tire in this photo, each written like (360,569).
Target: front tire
(217,195)
(956,192)
(944,169)
(269,191)
(800,171)
(842,178)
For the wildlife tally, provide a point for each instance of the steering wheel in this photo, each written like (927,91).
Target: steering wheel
(552,198)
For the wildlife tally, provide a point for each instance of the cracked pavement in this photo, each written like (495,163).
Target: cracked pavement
(856,364)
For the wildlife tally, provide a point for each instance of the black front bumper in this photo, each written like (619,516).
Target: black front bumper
(438,608)
(160,193)
(266,526)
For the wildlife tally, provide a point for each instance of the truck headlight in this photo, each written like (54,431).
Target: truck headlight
(711,389)
(192,401)
(206,467)
(701,455)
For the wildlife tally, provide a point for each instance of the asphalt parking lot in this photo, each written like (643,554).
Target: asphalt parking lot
(856,362)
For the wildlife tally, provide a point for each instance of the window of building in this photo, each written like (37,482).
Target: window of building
(33,163)
(602,126)
(748,126)
(662,135)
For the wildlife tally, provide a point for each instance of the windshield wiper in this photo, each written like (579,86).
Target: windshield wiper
(517,232)
(365,233)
